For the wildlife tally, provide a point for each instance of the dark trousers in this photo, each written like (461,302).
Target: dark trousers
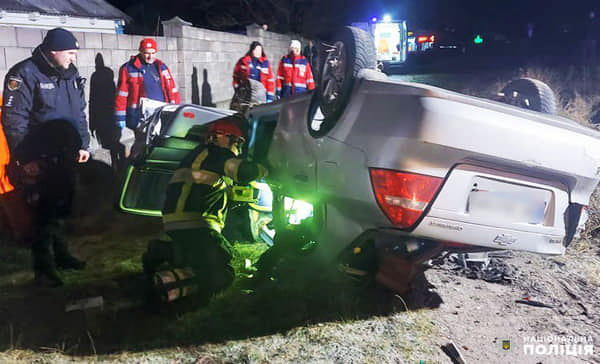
(204,250)
(46,240)
(50,197)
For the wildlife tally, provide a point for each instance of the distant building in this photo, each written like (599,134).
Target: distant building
(76,15)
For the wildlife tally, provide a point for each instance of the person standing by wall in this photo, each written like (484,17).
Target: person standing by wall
(255,65)
(45,124)
(143,75)
(294,75)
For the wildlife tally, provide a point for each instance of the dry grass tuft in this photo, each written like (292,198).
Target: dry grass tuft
(580,108)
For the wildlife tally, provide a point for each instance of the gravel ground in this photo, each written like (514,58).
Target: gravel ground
(478,316)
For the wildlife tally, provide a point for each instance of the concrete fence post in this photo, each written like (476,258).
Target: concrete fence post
(174,28)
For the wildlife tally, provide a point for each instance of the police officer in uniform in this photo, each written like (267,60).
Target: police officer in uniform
(46,130)
(195,208)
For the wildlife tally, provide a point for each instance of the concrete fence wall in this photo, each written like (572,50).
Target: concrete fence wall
(197,57)
(211,56)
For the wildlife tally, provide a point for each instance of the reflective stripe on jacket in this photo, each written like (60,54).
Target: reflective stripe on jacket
(130,88)
(258,69)
(294,76)
(196,195)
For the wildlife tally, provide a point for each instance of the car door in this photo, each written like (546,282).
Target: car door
(171,132)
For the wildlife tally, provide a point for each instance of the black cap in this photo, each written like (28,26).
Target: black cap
(59,39)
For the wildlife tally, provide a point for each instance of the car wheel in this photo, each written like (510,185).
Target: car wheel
(258,92)
(352,50)
(250,92)
(531,94)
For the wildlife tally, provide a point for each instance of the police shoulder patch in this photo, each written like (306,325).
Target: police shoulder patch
(13,83)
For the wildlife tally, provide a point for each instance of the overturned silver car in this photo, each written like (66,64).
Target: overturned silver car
(379,176)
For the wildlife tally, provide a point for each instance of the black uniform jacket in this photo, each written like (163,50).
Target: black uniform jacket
(35,93)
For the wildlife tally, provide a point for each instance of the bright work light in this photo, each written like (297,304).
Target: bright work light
(297,210)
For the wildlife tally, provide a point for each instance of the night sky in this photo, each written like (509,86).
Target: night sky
(509,17)
(506,16)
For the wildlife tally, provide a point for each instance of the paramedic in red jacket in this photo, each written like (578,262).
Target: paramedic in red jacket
(256,66)
(143,75)
(294,75)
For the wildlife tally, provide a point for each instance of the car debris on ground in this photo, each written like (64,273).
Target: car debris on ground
(85,304)
(452,351)
(488,266)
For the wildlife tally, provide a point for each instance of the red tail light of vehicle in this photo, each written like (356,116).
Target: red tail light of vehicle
(402,196)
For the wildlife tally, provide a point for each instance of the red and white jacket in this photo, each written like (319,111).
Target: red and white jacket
(131,87)
(258,69)
(294,76)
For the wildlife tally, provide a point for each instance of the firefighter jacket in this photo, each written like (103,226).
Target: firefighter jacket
(35,92)
(294,76)
(197,193)
(5,185)
(130,88)
(258,69)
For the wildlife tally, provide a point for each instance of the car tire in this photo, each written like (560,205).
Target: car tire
(258,92)
(531,94)
(250,92)
(352,50)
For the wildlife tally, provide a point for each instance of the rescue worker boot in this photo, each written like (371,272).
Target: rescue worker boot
(63,258)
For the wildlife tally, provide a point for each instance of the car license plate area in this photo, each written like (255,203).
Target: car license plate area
(511,203)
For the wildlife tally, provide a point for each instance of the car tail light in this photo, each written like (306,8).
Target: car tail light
(403,196)
(188,114)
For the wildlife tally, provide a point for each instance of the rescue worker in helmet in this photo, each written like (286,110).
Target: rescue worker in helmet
(195,208)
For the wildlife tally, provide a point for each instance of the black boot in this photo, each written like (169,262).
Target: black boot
(62,257)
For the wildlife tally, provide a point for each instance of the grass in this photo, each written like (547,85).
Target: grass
(305,312)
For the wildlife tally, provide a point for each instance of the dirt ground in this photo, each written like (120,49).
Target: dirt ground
(478,316)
